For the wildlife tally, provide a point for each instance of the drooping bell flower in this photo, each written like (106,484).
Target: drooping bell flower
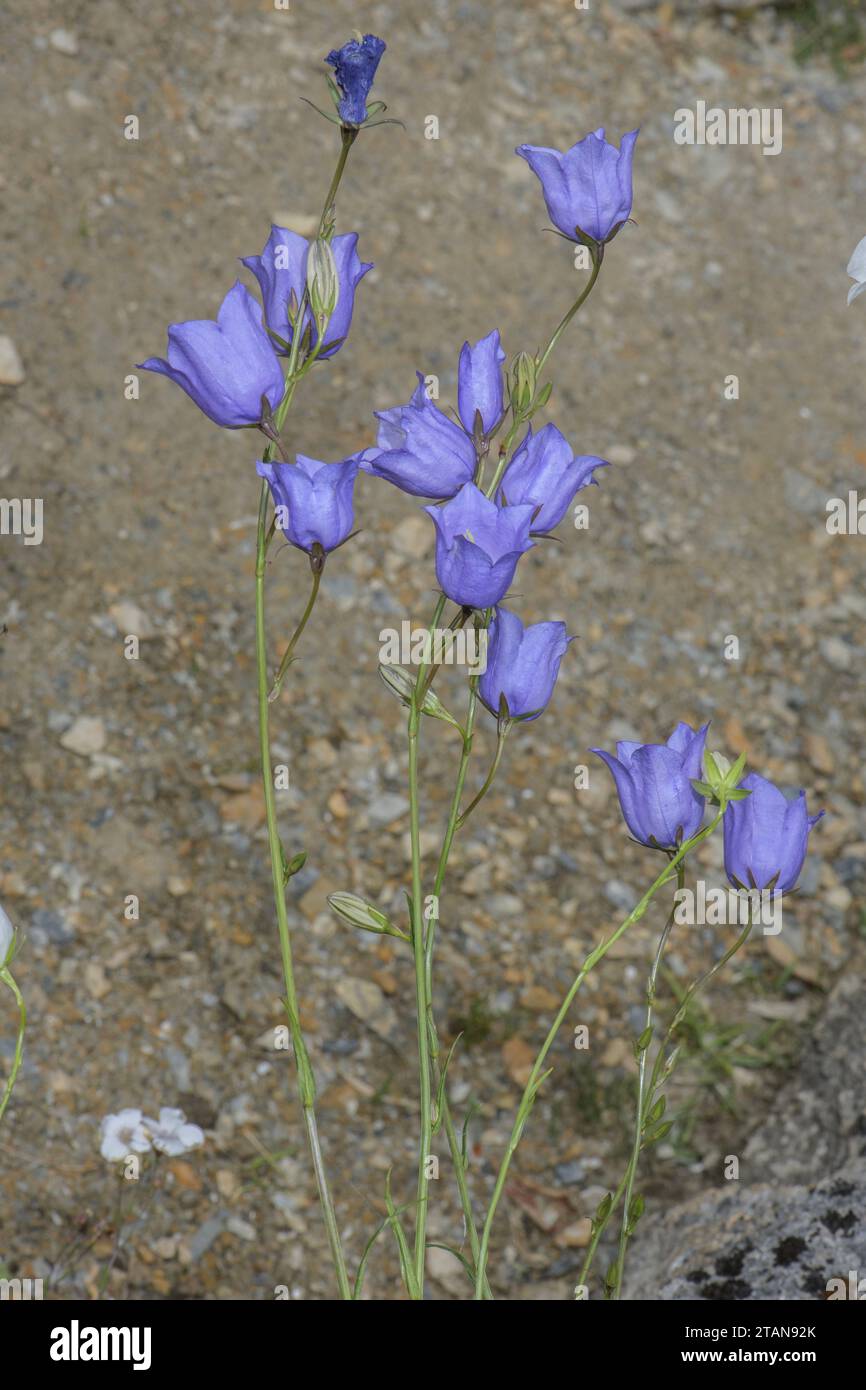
(355,67)
(522,665)
(480,388)
(654,784)
(313,500)
(588,188)
(478,545)
(546,472)
(420,450)
(766,836)
(281,271)
(226,366)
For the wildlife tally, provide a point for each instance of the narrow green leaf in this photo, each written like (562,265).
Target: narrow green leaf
(660,1132)
(440,1089)
(438,1245)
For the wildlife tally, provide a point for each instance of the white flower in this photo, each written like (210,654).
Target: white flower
(124,1134)
(857,270)
(171,1134)
(7,938)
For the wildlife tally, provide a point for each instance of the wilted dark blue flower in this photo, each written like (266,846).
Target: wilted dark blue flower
(588,188)
(355,67)
(225,367)
(522,664)
(316,499)
(478,545)
(421,450)
(654,783)
(546,472)
(766,836)
(281,271)
(479,383)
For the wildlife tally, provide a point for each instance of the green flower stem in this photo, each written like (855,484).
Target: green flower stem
(598,1230)
(287,655)
(566,320)
(306,1087)
(535,1077)
(454,1144)
(347,138)
(264,534)
(488,781)
(658,1076)
(690,993)
(421,1003)
(519,419)
(7,978)
(640,1110)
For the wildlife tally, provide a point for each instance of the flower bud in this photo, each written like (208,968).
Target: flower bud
(523,381)
(359,913)
(322,280)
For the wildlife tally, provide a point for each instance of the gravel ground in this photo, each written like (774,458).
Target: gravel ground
(140,777)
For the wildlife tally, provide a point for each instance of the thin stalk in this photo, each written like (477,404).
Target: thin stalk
(424,1070)
(454,1145)
(305,1086)
(659,1075)
(639,1120)
(555,336)
(597,954)
(264,534)
(566,319)
(598,1231)
(287,655)
(7,978)
(488,781)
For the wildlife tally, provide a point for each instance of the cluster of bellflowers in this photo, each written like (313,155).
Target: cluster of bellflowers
(494,484)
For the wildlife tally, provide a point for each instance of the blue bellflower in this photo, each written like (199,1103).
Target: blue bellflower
(478,545)
(420,450)
(479,383)
(226,367)
(546,472)
(587,189)
(316,498)
(355,67)
(654,784)
(522,665)
(766,836)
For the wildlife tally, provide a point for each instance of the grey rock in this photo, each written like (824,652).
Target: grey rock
(386,808)
(48,926)
(818,1123)
(747,1243)
(774,1233)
